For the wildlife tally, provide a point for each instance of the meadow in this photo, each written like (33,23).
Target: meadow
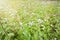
(29,20)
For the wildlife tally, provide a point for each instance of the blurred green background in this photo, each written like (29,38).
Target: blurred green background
(29,20)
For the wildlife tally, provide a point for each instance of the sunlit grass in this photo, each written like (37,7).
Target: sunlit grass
(29,20)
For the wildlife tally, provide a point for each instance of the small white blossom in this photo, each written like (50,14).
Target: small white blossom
(55,38)
(31,23)
(51,25)
(40,21)
(20,23)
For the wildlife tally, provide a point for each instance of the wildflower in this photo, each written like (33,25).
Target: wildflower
(40,21)
(51,25)
(55,38)
(31,23)
(20,23)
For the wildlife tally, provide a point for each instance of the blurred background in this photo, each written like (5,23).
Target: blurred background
(29,20)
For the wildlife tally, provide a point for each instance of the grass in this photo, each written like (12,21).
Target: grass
(30,20)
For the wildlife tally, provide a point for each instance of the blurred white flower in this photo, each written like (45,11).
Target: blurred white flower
(51,25)
(31,23)
(39,20)
(55,38)
(20,23)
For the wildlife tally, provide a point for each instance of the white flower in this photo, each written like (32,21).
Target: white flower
(55,38)
(20,23)
(51,25)
(40,21)
(31,23)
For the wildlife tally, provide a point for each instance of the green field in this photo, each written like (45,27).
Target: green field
(29,20)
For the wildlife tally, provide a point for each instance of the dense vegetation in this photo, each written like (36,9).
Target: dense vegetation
(30,20)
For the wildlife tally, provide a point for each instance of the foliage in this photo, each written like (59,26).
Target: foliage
(32,20)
